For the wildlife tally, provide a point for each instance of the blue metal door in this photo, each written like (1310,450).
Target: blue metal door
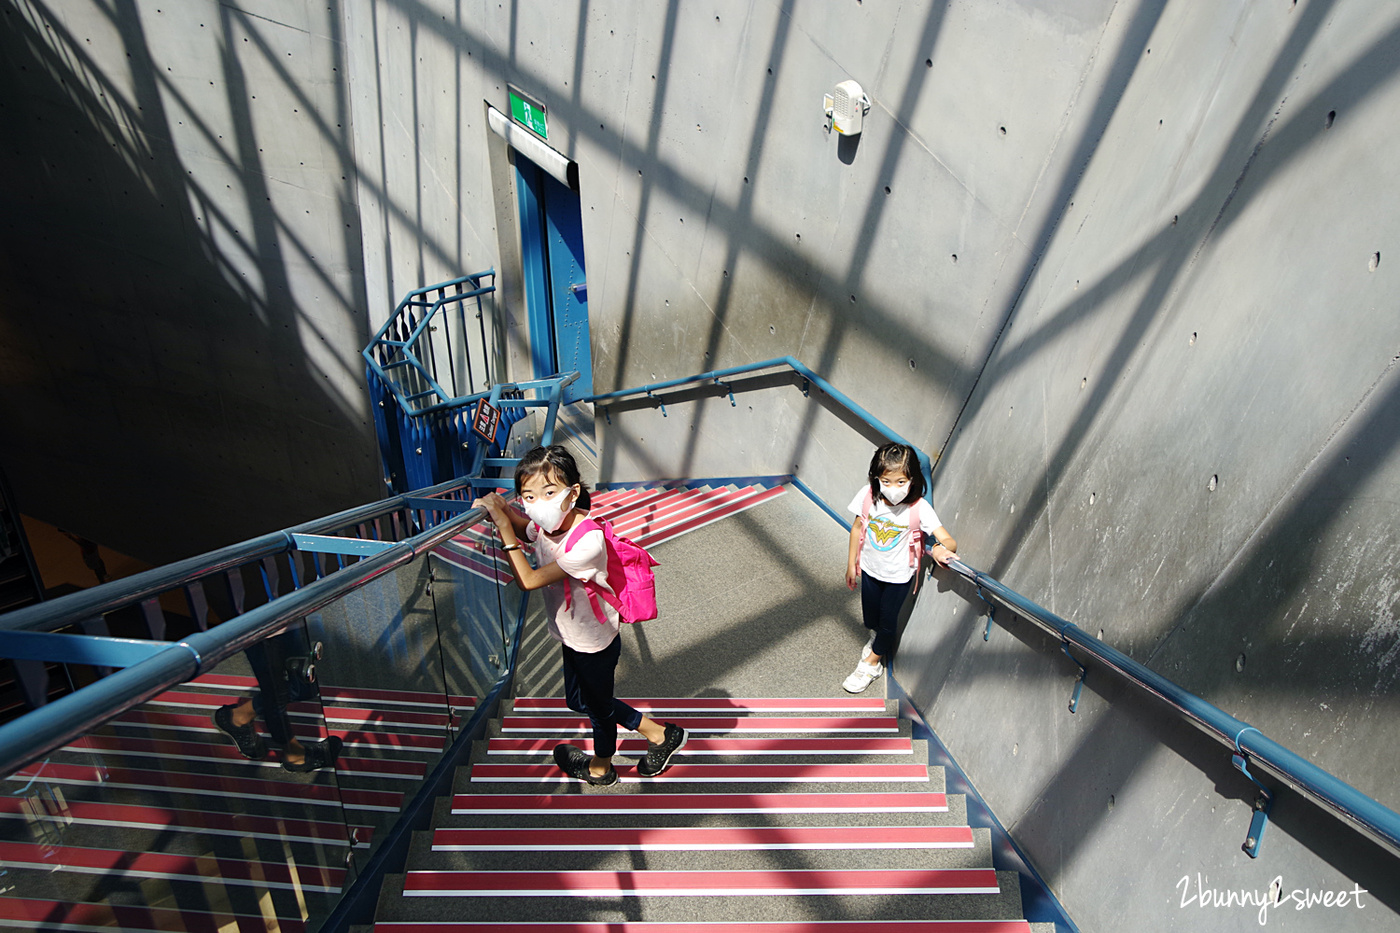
(556,290)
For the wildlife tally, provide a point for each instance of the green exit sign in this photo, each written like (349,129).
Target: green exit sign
(528,112)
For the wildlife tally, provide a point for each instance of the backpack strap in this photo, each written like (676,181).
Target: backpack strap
(593,590)
(916,540)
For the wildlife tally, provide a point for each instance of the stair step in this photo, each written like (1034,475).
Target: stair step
(349,696)
(738,747)
(37,914)
(565,804)
(653,706)
(199,728)
(168,749)
(114,863)
(744,503)
(569,726)
(320,791)
(826,926)
(688,773)
(860,882)
(132,816)
(701,838)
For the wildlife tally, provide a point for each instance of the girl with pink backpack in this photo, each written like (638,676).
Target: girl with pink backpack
(887,535)
(577,561)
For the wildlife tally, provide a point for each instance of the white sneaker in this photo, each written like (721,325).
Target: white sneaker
(862,677)
(865,652)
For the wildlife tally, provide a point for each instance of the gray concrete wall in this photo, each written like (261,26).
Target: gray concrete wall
(1186,440)
(181,285)
(1159,372)
(1161,304)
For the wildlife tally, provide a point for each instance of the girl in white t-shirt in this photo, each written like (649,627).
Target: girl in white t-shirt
(883,557)
(547,484)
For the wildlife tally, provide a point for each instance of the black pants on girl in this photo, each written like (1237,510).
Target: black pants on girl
(880,603)
(588,689)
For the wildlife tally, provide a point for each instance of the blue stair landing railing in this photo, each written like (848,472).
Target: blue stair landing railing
(1246,744)
(426,369)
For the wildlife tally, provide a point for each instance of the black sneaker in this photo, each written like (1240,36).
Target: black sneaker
(245,737)
(316,755)
(658,757)
(574,762)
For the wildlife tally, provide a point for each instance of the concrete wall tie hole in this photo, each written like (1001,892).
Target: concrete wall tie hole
(1375,262)
(1331,118)
(1214,482)
(1192,341)
(1239,664)
(772,329)
(1093,497)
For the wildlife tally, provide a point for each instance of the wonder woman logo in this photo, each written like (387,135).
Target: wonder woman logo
(883,533)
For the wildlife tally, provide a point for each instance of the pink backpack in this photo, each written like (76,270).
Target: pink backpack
(916,534)
(629,573)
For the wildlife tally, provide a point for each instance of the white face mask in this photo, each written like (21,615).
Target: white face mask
(894,494)
(549,513)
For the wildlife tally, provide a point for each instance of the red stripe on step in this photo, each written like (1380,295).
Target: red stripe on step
(536,804)
(186,751)
(686,505)
(347,695)
(573,725)
(805,926)
(686,772)
(663,534)
(523,705)
(700,502)
(203,731)
(246,785)
(162,865)
(227,824)
(132,919)
(702,838)
(699,883)
(211,701)
(866,745)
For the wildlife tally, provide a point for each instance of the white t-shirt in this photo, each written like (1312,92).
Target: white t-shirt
(885,552)
(575,624)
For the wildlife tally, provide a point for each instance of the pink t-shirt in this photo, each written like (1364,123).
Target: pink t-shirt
(575,624)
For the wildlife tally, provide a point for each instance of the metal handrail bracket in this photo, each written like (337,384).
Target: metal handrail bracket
(1248,743)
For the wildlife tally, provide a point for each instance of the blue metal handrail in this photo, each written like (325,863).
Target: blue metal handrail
(1372,818)
(128,591)
(415,315)
(54,725)
(800,369)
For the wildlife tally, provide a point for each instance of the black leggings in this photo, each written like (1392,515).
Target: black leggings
(588,689)
(880,603)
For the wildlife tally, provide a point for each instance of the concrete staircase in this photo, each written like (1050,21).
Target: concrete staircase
(778,814)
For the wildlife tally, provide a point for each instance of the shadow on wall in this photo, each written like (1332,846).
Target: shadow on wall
(172,344)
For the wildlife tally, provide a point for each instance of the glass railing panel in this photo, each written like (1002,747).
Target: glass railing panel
(156,817)
(384,695)
(478,604)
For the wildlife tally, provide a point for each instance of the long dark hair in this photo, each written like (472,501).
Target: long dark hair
(896,457)
(552,461)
